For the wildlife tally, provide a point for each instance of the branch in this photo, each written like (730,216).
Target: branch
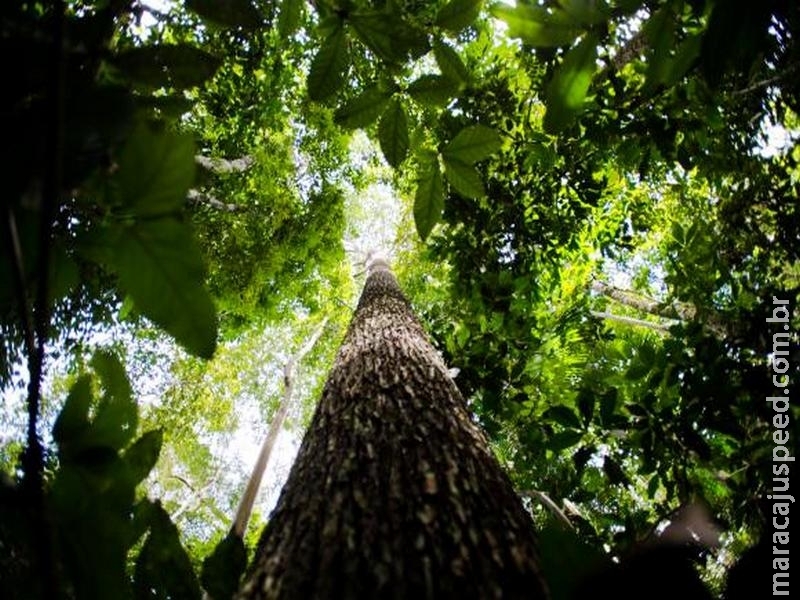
(200,198)
(548,502)
(660,327)
(222,165)
(248,499)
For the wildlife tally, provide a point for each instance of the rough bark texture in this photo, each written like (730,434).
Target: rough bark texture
(395,493)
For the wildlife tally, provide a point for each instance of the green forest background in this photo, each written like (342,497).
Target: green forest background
(589,203)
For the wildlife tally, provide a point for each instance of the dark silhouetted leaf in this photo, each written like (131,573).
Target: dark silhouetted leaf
(227,13)
(115,421)
(566,92)
(328,67)
(163,564)
(614,472)
(179,66)
(224,568)
(562,415)
(141,457)
(73,420)
(393,134)
(289,16)
(564,439)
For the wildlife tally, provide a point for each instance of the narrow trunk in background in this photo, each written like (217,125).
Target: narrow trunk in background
(395,492)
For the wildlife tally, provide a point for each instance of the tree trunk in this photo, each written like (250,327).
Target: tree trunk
(395,492)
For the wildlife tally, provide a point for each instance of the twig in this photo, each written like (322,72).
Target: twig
(548,502)
(15,250)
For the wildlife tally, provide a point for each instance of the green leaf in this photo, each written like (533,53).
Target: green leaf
(393,134)
(429,199)
(141,457)
(472,144)
(160,266)
(566,92)
(381,34)
(458,14)
(585,402)
(227,13)
(115,421)
(464,178)
(608,404)
(163,565)
(562,415)
(432,90)
(289,17)
(450,63)
(327,72)
(223,570)
(563,440)
(156,170)
(179,66)
(73,420)
(363,109)
(585,12)
(536,26)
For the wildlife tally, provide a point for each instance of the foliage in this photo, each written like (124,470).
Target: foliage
(540,150)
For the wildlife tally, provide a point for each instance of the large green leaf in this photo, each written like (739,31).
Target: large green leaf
(289,16)
(566,92)
(156,169)
(141,457)
(327,73)
(223,570)
(179,66)
(458,14)
(393,134)
(227,13)
(464,178)
(388,36)
(433,90)
(429,199)
(473,143)
(163,564)
(115,421)
(363,109)
(537,27)
(160,266)
(73,420)
(450,63)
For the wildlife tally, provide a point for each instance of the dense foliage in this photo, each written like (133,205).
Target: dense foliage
(597,215)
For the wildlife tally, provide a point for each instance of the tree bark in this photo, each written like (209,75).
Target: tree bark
(395,492)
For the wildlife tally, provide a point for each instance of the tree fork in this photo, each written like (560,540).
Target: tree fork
(395,492)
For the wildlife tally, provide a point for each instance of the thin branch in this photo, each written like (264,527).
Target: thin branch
(660,327)
(548,502)
(202,198)
(223,165)
(246,505)
(15,250)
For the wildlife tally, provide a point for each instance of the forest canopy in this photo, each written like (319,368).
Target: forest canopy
(592,206)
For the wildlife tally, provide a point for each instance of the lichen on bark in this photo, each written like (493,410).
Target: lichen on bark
(395,492)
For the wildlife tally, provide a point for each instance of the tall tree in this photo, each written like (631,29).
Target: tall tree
(395,492)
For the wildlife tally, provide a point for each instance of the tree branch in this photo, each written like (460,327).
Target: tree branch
(660,327)
(198,197)
(222,165)
(248,499)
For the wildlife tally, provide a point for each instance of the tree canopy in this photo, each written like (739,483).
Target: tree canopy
(591,204)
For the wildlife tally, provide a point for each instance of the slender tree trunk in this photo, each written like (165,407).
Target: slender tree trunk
(395,492)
